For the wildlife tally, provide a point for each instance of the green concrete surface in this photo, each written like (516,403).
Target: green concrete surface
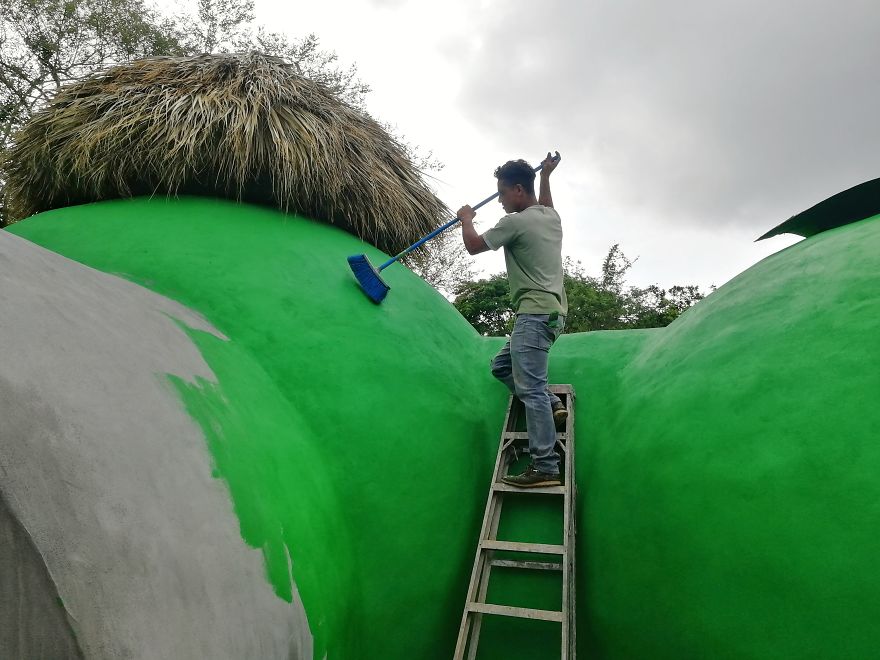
(728,465)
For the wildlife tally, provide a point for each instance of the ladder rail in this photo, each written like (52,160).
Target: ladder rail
(571,539)
(484,577)
(475,624)
(568,589)
(476,571)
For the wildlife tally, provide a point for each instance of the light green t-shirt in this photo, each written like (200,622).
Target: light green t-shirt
(532,241)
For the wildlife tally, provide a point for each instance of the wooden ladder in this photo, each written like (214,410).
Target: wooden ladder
(513,443)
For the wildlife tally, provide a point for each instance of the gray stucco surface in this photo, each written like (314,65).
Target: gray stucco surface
(103,469)
(33,623)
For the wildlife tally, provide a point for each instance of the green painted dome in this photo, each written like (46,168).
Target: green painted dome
(727,464)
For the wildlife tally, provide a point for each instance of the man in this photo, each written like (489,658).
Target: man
(531,235)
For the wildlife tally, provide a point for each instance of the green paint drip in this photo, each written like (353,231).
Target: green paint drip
(727,465)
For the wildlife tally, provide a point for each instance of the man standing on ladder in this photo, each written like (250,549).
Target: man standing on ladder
(531,234)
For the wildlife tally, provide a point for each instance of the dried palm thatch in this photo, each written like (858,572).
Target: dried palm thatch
(242,126)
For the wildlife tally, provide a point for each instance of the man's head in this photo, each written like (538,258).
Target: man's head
(516,186)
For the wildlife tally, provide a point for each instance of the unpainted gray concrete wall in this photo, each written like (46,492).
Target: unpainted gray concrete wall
(33,623)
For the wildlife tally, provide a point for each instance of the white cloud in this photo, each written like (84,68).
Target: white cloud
(705,113)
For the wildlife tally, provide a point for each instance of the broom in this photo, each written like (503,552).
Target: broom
(368,276)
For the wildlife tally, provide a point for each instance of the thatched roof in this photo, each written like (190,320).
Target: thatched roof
(242,126)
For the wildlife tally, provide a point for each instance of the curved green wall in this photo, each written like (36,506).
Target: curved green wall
(727,465)
(737,495)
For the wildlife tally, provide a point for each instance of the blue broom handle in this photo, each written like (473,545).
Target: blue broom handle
(443,228)
(433,234)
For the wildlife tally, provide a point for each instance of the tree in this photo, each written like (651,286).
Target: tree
(46,43)
(223,26)
(653,307)
(485,304)
(594,303)
(216,25)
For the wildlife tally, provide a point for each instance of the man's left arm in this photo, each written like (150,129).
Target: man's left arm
(473,242)
(547,166)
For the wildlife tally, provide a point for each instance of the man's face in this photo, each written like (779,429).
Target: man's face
(508,197)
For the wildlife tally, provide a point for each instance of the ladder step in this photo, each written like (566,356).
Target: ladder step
(522,435)
(546,490)
(519,612)
(531,565)
(514,546)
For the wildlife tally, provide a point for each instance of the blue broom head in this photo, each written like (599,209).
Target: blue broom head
(368,277)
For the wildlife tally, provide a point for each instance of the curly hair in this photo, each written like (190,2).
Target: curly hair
(517,172)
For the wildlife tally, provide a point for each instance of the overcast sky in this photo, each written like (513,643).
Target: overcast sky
(687,128)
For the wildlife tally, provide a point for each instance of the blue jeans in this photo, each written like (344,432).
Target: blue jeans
(522,366)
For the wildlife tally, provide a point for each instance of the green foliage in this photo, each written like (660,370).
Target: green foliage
(594,303)
(227,26)
(46,43)
(486,305)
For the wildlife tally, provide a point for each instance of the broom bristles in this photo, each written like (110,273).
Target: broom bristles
(368,277)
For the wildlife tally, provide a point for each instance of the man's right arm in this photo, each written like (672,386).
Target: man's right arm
(547,166)
(473,242)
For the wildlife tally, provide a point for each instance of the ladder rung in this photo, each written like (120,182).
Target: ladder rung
(546,490)
(514,546)
(520,612)
(531,565)
(523,435)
